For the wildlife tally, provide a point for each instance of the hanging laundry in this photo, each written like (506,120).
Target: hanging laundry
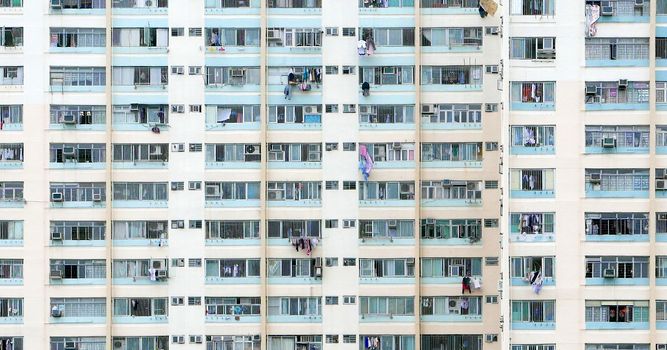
(361,47)
(366,162)
(370,46)
(489,6)
(224,115)
(592,16)
(287,92)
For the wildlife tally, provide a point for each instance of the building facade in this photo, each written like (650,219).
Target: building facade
(290,175)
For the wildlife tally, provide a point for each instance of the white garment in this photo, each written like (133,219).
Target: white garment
(151,272)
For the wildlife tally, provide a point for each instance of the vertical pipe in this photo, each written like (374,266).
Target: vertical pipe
(108,169)
(263,165)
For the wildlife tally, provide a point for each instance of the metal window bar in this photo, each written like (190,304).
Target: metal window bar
(449,3)
(617,48)
(624,136)
(609,92)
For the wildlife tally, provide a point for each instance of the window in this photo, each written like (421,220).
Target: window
(526,311)
(79,307)
(388,36)
(349,146)
(196,262)
(177,262)
(140,37)
(331,108)
(331,70)
(348,70)
(455,228)
(11,115)
(532,92)
(148,342)
(349,262)
(465,190)
(76,192)
(301,268)
(532,48)
(490,185)
(491,261)
(349,108)
(79,269)
(349,223)
(349,185)
(291,114)
(194,70)
(386,306)
(532,179)
(295,306)
(537,347)
(349,338)
(11,269)
(387,75)
(598,180)
(177,31)
(452,114)
(140,76)
(331,300)
(72,153)
(330,262)
(531,8)
(451,267)
(617,311)
(618,49)
(529,267)
(230,37)
(177,301)
(491,299)
(226,229)
(12,3)
(133,153)
(390,190)
(331,31)
(452,37)
(451,75)
(281,191)
(78,230)
(293,228)
(331,223)
(176,224)
(607,92)
(604,224)
(62,343)
(331,146)
(382,229)
(616,347)
(178,70)
(66,37)
(453,306)
(332,338)
(490,223)
(223,114)
(349,31)
(193,301)
(235,342)
(232,268)
(141,307)
(386,114)
(491,146)
(239,306)
(194,31)
(216,191)
(236,152)
(140,191)
(235,76)
(72,76)
(621,266)
(194,224)
(661,310)
(349,299)
(194,185)
(331,185)
(195,109)
(177,185)
(449,152)
(623,136)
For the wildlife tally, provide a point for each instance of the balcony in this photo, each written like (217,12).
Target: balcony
(466,78)
(617,52)
(617,139)
(449,7)
(232,7)
(140,7)
(617,183)
(294,7)
(533,140)
(617,96)
(393,7)
(532,96)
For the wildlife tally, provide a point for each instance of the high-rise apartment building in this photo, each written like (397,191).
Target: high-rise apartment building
(320,174)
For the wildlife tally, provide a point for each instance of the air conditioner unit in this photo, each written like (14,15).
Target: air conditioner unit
(68,119)
(596,178)
(56,313)
(606,8)
(56,236)
(454,306)
(639,3)
(69,151)
(661,185)
(365,109)
(591,90)
(492,30)
(545,54)
(661,346)
(428,109)
(97,197)
(609,273)
(159,264)
(275,196)
(177,70)
(178,147)
(392,223)
(252,149)
(318,272)
(212,190)
(660,173)
(608,142)
(56,274)
(177,108)
(446,183)
(273,34)
(134,107)
(236,73)
(156,151)
(313,157)
(70,345)
(161,274)
(197,339)
(662,216)
(118,344)
(57,197)
(309,110)
(622,84)
(396,145)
